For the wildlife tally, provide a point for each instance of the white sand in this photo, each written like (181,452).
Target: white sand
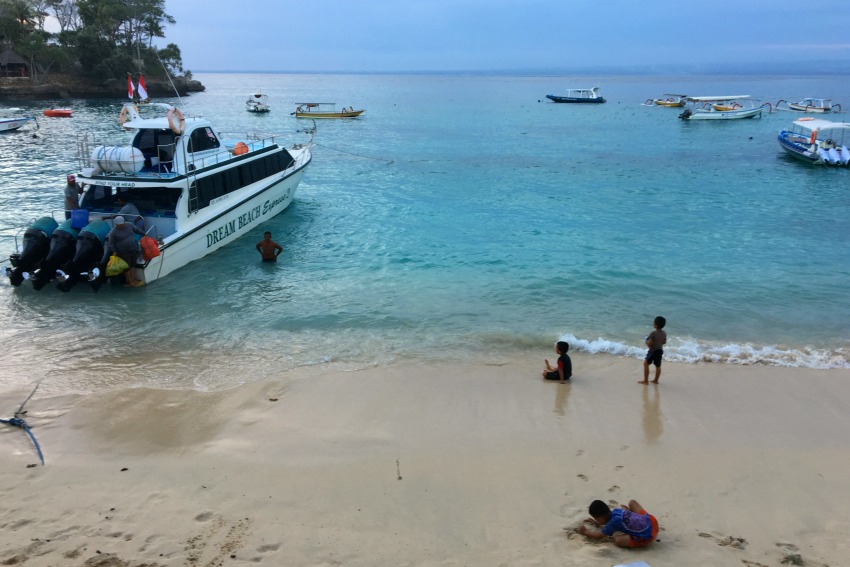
(471,465)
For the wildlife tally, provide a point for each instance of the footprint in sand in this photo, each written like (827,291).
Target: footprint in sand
(582,476)
(728,541)
(752,563)
(580,452)
(620,467)
(788,546)
(614,488)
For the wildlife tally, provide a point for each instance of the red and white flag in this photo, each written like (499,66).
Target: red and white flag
(129,87)
(143,92)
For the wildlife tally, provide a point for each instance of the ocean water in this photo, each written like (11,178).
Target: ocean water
(463,218)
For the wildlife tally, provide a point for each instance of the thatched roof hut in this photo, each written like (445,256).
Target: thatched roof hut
(13,65)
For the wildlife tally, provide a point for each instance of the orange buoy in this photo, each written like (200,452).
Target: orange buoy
(240,148)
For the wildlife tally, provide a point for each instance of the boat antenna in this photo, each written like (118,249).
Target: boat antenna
(167,74)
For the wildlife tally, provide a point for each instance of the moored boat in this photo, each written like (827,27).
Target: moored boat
(324,110)
(668,100)
(11,119)
(817,141)
(578,96)
(195,189)
(811,105)
(257,102)
(59,112)
(722,108)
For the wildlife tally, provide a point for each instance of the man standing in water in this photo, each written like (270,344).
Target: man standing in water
(268,248)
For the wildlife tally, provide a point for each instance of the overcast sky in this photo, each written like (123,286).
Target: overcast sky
(484,35)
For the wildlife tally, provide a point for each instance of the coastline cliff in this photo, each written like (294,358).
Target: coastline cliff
(69,87)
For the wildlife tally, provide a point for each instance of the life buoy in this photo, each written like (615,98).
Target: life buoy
(814,137)
(180,126)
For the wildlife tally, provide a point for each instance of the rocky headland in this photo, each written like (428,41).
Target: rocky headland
(68,87)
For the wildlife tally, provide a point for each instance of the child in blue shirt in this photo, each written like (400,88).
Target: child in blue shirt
(637,527)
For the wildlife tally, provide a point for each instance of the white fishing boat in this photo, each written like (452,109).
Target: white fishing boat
(12,118)
(196,190)
(257,102)
(733,107)
(817,141)
(810,105)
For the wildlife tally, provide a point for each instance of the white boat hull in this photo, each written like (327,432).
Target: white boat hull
(10,124)
(222,229)
(725,114)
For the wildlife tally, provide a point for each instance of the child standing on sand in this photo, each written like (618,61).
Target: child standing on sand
(654,342)
(565,365)
(638,528)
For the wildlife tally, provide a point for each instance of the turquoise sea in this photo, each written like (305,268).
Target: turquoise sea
(463,218)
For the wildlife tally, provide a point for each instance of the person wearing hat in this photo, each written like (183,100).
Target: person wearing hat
(72,196)
(123,244)
(129,211)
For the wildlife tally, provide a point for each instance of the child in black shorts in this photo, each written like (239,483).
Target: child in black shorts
(565,365)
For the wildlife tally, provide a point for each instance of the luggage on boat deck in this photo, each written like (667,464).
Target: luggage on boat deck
(79,218)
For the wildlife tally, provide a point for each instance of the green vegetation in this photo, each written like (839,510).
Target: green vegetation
(92,39)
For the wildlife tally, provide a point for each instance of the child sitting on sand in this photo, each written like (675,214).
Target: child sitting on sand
(638,528)
(565,365)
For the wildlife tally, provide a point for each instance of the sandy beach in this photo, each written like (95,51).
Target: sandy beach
(427,465)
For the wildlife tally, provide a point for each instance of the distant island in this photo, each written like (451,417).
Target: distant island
(97,45)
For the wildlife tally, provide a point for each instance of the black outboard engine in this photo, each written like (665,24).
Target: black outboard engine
(87,256)
(63,243)
(686,114)
(35,246)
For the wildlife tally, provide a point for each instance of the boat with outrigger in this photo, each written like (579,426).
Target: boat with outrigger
(727,107)
(258,103)
(668,101)
(817,141)
(324,110)
(196,190)
(810,105)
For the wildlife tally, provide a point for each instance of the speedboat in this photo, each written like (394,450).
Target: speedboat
(324,110)
(578,96)
(257,102)
(722,108)
(11,119)
(812,105)
(196,189)
(817,141)
(59,112)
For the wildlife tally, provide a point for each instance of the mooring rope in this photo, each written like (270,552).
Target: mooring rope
(387,161)
(19,422)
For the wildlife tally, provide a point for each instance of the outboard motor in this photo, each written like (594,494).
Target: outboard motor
(63,242)
(834,157)
(686,114)
(87,255)
(35,246)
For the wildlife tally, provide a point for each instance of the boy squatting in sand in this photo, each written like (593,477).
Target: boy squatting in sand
(565,365)
(638,528)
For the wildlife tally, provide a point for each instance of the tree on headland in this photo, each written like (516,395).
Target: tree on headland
(97,39)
